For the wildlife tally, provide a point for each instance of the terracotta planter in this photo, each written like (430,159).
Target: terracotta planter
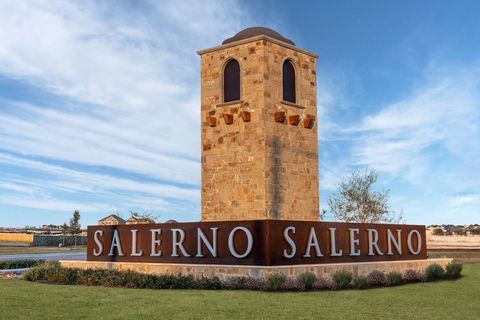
(212,121)
(228,118)
(279,116)
(246,116)
(294,120)
(308,123)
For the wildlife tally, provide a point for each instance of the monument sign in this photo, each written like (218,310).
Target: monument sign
(256,242)
(260,201)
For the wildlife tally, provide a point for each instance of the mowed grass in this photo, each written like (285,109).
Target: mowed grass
(7,250)
(458,299)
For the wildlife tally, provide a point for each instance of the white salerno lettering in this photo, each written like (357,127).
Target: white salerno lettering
(354,242)
(178,244)
(155,242)
(396,242)
(312,242)
(373,243)
(419,242)
(231,245)
(201,237)
(116,244)
(135,253)
(333,244)
(98,242)
(293,246)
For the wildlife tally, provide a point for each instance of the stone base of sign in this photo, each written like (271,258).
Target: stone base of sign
(227,271)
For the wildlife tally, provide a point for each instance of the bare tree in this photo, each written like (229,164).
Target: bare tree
(355,201)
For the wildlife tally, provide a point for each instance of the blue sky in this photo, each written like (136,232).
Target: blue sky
(99,102)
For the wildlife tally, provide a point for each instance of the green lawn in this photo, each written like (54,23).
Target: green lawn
(440,300)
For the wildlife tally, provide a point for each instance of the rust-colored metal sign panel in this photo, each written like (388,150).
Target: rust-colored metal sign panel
(256,242)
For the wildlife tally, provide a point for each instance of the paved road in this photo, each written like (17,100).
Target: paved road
(47,256)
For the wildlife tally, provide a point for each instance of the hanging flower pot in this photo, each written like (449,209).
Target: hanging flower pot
(279,116)
(308,123)
(294,120)
(228,118)
(246,116)
(212,121)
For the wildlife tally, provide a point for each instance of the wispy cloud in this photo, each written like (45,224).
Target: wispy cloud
(443,113)
(121,92)
(429,139)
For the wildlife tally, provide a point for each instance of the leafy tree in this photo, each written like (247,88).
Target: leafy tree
(355,201)
(65,231)
(75,227)
(438,232)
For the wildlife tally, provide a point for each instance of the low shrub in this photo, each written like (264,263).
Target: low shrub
(35,274)
(275,281)
(291,284)
(97,277)
(235,283)
(42,272)
(307,279)
(183,282)
(434,272)
(19,264)
(52,272)
(393,279)
(360,282)
(64,276)
(411,275)
(453,270)
(322,283)
(255,284)
(209,283)
(376,278)
(342,279)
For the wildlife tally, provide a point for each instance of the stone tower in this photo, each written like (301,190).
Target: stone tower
(259,129)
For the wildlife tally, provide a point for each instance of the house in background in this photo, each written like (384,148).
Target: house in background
(110,220)
(452,230)
(136,219)
(458,230)
(473,230)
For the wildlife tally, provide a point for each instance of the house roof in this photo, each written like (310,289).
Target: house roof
(137,218)
(112,216)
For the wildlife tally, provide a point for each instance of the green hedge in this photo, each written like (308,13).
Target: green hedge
(52,272)
(19,264)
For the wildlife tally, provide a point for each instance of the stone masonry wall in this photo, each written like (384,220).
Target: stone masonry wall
(291,150)
(233,156)
(225,272)
(252,166)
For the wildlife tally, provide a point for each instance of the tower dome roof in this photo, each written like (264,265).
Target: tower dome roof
(258,31)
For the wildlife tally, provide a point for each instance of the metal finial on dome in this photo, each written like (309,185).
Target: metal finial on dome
(258,31)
